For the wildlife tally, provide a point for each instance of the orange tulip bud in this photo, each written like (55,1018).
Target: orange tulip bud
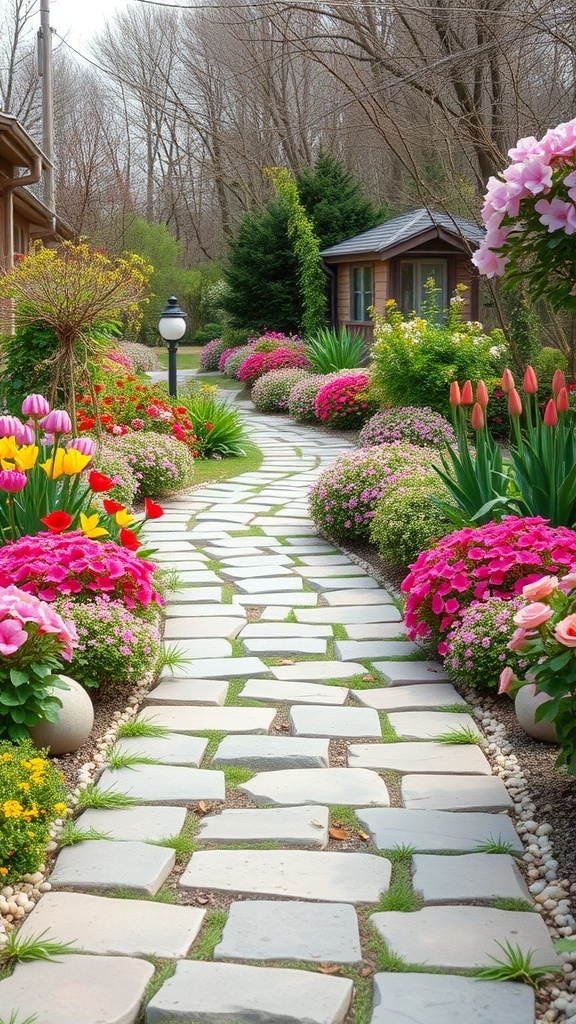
(477,418)
(550,414)
(482,394)
(455,398)
(530,381)
(507,381)
(514,403)
(467,393)
(563,402)
(558,382)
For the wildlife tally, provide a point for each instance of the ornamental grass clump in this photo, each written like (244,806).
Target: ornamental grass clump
(303,396)
(496,559)
(343,500)
(259,363)
(477,645)
(218,425)
(160,464)
(406,521)
(31,798)
(419,426)
(272,391)
(345,402)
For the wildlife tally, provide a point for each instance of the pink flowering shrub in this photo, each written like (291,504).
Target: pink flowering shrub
(420,426)
(495,560)
(70,564)
(303,396)
(235,359)
(345,401)
(210,355)
(270,392)
(263,362)
(343,500)
(477,648)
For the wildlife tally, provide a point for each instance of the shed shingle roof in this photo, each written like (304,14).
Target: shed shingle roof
(401,229)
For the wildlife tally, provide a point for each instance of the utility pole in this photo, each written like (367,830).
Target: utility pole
(45,71)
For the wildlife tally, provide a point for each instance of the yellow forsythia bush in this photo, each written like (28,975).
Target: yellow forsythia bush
(32,795)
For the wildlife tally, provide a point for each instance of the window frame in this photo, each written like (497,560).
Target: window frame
(362,292)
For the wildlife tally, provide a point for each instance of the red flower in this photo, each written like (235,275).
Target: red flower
(107,401)
(105,418)
(208,426)
(98,388)
(180,410)
(57,521)
(86,423)
(112,506)
(119,383)
(152,511)
(98,482)
(129,540)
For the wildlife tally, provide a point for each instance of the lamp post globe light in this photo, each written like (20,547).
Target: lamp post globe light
(172,328)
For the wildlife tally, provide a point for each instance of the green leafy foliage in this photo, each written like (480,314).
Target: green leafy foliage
(218,425)
(27,356)
(330,349)
(516,966)
(31,797)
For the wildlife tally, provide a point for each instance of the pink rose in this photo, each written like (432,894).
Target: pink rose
(540,588)
(518,641)
(532,616)
(565,631)
(506,679)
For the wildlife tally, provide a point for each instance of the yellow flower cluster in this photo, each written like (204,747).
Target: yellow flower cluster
(31,796)
(70,461)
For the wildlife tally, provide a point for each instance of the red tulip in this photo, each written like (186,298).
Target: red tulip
(514,403)
(152,511)
(507,381)
(530,384)
(98,482)
(477,419)
(57,521)
(482,394)
(558,382)
(111,507)
(455,397)
(550,414)
(467,393)
(129,540)
(563,402)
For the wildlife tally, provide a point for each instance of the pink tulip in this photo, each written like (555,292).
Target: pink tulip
(12,481)
(506,679)
(24,434)
(482,394)
(57,422)
(530,384)
(540,588)
(35,406)
(551,414)
(507,381)
(467,393)
(85,445)
(477,418)
(455,397)
(9,426)
(534,615)
(565,631)
(558,381)
(514,402)
(563,402)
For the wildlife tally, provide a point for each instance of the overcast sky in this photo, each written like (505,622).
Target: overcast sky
(79,20)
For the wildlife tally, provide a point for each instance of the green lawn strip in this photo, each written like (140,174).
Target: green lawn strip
(184,844)
(235,776)
(224,383)
(212,471)
(233,696)
(210,935)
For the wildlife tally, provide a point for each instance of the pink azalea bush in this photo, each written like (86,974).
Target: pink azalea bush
(343,500)
(263,362)
(345,401)
(303,396)
(420,426)
(496,559)
(477,643)
(210,355)
(271,392)
(70,564)
(235,359)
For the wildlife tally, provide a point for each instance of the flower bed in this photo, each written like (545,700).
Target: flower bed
(345,401)
(419,426)
(259,363)
(272,391)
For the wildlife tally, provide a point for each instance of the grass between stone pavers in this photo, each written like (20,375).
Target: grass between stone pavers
(359,681)
(93,796)
(214,737)
(164,970)
(291,617)
(389,734)
(164,895)
(268,844)
(139,729)
(237,648)
(210,935)
(235,776)
(233,695)
(70,835)
(184,844)
(339,632)
(342,816)
(462,735)
(456,709)
(400,895)
(493,845)
(228,592)
(122,759)
(247,531)
(513,904)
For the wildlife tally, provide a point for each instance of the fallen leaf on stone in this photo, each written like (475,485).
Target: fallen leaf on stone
(338,833)
(363,835)
(317,823)
(369,679)
(365,972)
(287,661)
(202,807)
(329,968)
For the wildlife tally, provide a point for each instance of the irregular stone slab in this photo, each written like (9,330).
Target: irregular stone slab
(455,793)
(256,560)
(254,571)
(427,725)
(188,691)
(214,648)
(291,531)
(226,554)
(215,668)
(164,784)
(350,650)
(324,571)
(469,878)
(287,826)
(355,597)
(77,990)
(399,673)
(310,547)
(180,718)
(339,877)
(198,576)
(202,611)
(136,824)
(207,992)
(271,753)
(440,999)
(100,864)
(98,924)
(174,749)
(207,595)
(272,930)
(464,937)
(284,645)
(430,831)
(353,787)
(308,671)
(274,583)
(378,613)
(242,518)
(281,520)
(326,560)
(409,698)
(376,630)
(334,722)
(218,627)
(268,630)
(253,543)
(293,600)
(341,582)
(278,692)
(427,758)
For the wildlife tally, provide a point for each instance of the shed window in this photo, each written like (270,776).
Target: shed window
(413,277)
(361,293)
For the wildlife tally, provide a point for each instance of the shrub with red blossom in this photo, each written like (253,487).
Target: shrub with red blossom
(263,362)
(495,560)
(345,401)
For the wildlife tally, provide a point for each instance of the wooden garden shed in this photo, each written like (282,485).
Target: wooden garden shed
(394,261)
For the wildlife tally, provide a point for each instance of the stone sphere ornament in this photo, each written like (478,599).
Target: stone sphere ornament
(73,725)
(526,702)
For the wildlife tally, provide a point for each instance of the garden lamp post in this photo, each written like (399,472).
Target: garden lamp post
(172,327)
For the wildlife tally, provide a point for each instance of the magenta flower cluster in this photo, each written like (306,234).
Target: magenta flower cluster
(419,426)
(70,564)
(24,617)
(210,354)
(344,401)
(257,365)
(497,559)
(114,646)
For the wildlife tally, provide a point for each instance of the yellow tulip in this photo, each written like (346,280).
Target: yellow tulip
(53,466)
(74,461)
(7,465)
(8,447)
(123,518)
(26,457)
(89,525)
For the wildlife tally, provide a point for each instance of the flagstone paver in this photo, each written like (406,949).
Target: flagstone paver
(287,826)
(455,793)
(409,698)
(214,668)
(334,722)
(101,864)
(272,753)
(278,692)
(339,583)
(427,725)
(298,599)
(137,824)
(209,992)
(330,877)
(273,930)
(164,784)
(470,878)
(346,615)
(284,646)
(376,630)
(353,650)
(309,671)
(432,830)
(400,673)
(353,787)
(441,998)
(426,758)
(173,749)
(278,630)
(183,718)
(188,691)
(217,626)
(358,598)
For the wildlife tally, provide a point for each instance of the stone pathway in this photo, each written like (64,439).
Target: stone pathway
(336,847)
